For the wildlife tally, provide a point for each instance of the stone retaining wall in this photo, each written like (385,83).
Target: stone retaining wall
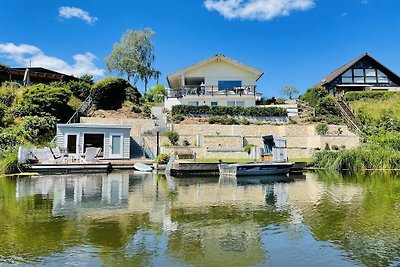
(302,140)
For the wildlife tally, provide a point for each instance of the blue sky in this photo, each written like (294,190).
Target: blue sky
(295,42)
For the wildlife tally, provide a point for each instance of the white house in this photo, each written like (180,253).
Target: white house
(216,81)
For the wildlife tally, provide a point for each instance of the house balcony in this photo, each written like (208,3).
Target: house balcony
(212,90)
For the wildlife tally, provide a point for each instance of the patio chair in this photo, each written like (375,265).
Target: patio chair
(91,154)
(45,155)
(59,153)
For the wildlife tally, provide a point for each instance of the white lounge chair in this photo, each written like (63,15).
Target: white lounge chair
(91,154)
(45,155)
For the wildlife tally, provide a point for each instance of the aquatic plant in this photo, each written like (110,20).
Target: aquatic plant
(9,161)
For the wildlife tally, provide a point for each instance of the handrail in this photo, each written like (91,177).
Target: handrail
(346,117)
(211,90)
(83,107)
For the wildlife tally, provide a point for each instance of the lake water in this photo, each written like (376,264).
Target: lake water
(131,219)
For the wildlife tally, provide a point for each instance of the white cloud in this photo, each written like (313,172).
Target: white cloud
(25,54)
(74,12)
(257,9)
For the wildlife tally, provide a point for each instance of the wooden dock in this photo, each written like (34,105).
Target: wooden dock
(101,166)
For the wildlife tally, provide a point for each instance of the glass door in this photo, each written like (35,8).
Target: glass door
(72,144)
(116,146)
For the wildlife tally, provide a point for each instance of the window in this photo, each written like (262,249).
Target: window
(231,103)
(347,77)
(382,78)
(372,76)
(214,104)
(228,85)
(240,103)
(193,103)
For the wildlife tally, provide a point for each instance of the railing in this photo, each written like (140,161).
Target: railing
(346,116)
(85,105)
(212,90)
(147,151)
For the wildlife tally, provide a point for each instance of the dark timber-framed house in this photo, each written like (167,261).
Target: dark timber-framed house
(36,75)
(361,74)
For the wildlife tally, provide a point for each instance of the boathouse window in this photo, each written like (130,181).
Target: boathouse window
(72,143)
(213,104)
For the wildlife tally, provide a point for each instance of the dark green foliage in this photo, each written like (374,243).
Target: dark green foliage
(266,101)
(45,100)
(109,93)
(188,110)
(3,109)
(322,128)
(133,94)
(9,161)
(7,96)
(185,142)
(327,106)
(81,89)
(247,148)
(173,137)
(378,95)
(162,159)
(314,95)
(39,130)
(177,118)
(9,137)
(146,109)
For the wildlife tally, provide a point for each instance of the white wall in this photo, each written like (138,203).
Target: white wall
(220,70)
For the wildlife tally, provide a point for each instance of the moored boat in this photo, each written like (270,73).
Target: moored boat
(255,168)
(142,167)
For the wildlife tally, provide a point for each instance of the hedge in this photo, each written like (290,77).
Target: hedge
(189,110)
(378,95)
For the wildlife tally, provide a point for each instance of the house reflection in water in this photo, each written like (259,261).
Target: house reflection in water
(73,193)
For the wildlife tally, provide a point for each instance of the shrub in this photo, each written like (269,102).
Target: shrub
(9,137)
(189,110)
(313,95)
(280,101)
(7,96)
(185,142)
(162,159)
(322,128)
(327,106)
(177,118)
(81,89)
(377,95)
(42,99)
(111,92)
(247,148)
(173,137)
(39,130)
(146,109)
(9,161)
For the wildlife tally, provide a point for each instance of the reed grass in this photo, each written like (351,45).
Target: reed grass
(9,161)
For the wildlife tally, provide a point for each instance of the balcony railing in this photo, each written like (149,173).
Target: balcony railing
(212,90)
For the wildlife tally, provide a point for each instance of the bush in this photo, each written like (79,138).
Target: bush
(173,137)
(39,130)
(45,100)
(247,148)
(177,118)
(185,142)
(7,96)
(9,161)
(162,159)
(81,89)
(327,106)
(322,128)
(280,101)
(189,110)
(314,95)
(9,137)
(111,92)
(377,95)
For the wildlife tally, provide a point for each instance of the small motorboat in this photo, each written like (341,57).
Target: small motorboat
(255,168)
(142,167)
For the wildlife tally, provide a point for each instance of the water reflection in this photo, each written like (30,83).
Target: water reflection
(143,219)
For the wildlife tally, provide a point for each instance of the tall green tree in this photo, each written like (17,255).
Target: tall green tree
(290,91)
(133,57)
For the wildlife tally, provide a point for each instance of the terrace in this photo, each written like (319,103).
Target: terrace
(211,90)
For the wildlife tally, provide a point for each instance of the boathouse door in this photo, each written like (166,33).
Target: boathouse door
(116,145)
(72,143)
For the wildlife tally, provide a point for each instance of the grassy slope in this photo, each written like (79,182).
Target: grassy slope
(375,108)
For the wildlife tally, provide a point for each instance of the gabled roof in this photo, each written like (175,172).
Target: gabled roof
(333,75)
(257,72)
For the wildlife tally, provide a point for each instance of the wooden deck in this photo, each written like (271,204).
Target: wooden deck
(101,166)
